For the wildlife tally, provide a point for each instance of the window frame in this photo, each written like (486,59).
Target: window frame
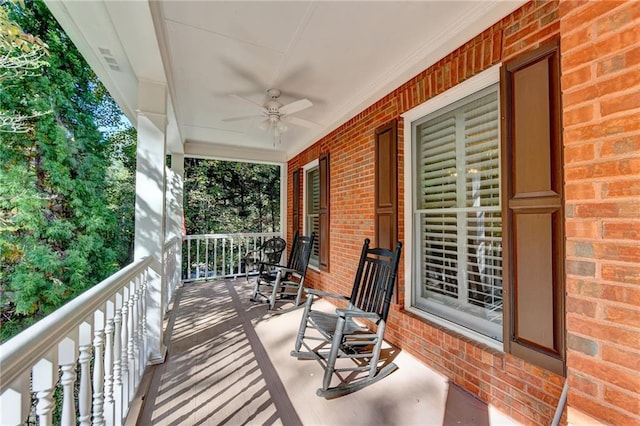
(473,85)
(314,164)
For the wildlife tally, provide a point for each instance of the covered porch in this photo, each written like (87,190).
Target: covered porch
(201,353)
(225,359)
(228,362)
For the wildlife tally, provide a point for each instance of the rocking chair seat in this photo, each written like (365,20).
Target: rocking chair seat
(326,324)
(272,272)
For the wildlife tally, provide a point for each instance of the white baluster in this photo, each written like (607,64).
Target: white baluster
(138,325)
(142,301)
(98,368)
(206,259)
(67,358)
(45,376)
(108,364)
(16,401)
(131,341)
(124,360)
(117,360)
(139,337)
(84,393)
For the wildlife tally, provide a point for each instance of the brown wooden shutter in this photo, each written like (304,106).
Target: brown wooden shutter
(386,188)
(296,201)
(323,166)
(532,210)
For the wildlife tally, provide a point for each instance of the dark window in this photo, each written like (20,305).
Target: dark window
(323,166)
(316,210)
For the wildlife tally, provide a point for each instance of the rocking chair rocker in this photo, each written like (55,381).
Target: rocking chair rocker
(370,300)
(285,281)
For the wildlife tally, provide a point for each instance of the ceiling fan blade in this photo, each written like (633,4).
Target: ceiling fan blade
(302,122)
(244,117)
(243,99)
(295,106)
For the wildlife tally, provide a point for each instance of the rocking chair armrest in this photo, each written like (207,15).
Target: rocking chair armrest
(284,268)
(273,265)
(325,294)
(357,313)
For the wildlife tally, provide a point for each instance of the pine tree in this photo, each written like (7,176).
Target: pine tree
(58,236)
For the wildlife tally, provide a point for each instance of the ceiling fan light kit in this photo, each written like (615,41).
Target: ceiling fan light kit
(276,114)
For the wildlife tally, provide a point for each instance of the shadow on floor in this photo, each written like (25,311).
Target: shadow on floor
(228,363)
(216,371)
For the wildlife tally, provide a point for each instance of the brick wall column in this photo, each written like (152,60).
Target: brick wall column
(600,45)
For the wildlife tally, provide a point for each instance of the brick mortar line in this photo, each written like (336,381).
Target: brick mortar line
(595,80)
(601,321)
(595,40)
(603,303)
(609,364)
(608,283)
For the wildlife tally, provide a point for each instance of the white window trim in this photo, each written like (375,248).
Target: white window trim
(312,164)
(468,87)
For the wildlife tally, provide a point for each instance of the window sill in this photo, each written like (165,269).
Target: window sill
(470,334)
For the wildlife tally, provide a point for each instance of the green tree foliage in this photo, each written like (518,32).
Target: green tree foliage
(21,55)
(228,197)
(58,236)
(121,190)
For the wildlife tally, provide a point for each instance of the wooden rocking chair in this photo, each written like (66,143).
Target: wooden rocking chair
(285,281)
(370,300)
(270,251)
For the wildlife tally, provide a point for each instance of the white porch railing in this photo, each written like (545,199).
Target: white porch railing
(91,351)
(218,255)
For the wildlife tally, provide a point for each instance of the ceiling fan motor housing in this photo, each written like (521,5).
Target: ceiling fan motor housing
(273,107)
(275,112)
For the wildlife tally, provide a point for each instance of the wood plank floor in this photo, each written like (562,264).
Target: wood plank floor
(228,363)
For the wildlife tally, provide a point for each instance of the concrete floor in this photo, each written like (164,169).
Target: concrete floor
(228,363)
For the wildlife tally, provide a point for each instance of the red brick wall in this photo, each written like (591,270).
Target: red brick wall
(600,48)
(524,391)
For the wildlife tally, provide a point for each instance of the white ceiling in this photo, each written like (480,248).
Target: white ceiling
(341,55)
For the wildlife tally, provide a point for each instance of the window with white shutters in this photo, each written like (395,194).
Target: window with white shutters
(457,217)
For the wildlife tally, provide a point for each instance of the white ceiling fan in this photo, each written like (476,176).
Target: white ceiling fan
(276,114)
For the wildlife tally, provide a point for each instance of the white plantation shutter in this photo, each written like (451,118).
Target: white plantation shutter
(458,211)
(438,165)
(481,147)
(440,256)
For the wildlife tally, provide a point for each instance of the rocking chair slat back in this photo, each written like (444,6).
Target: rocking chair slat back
(300,253)
(374,281)
(273,249)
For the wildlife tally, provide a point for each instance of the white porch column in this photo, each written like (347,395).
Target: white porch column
(175,188)
(177,164)
(150,204)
